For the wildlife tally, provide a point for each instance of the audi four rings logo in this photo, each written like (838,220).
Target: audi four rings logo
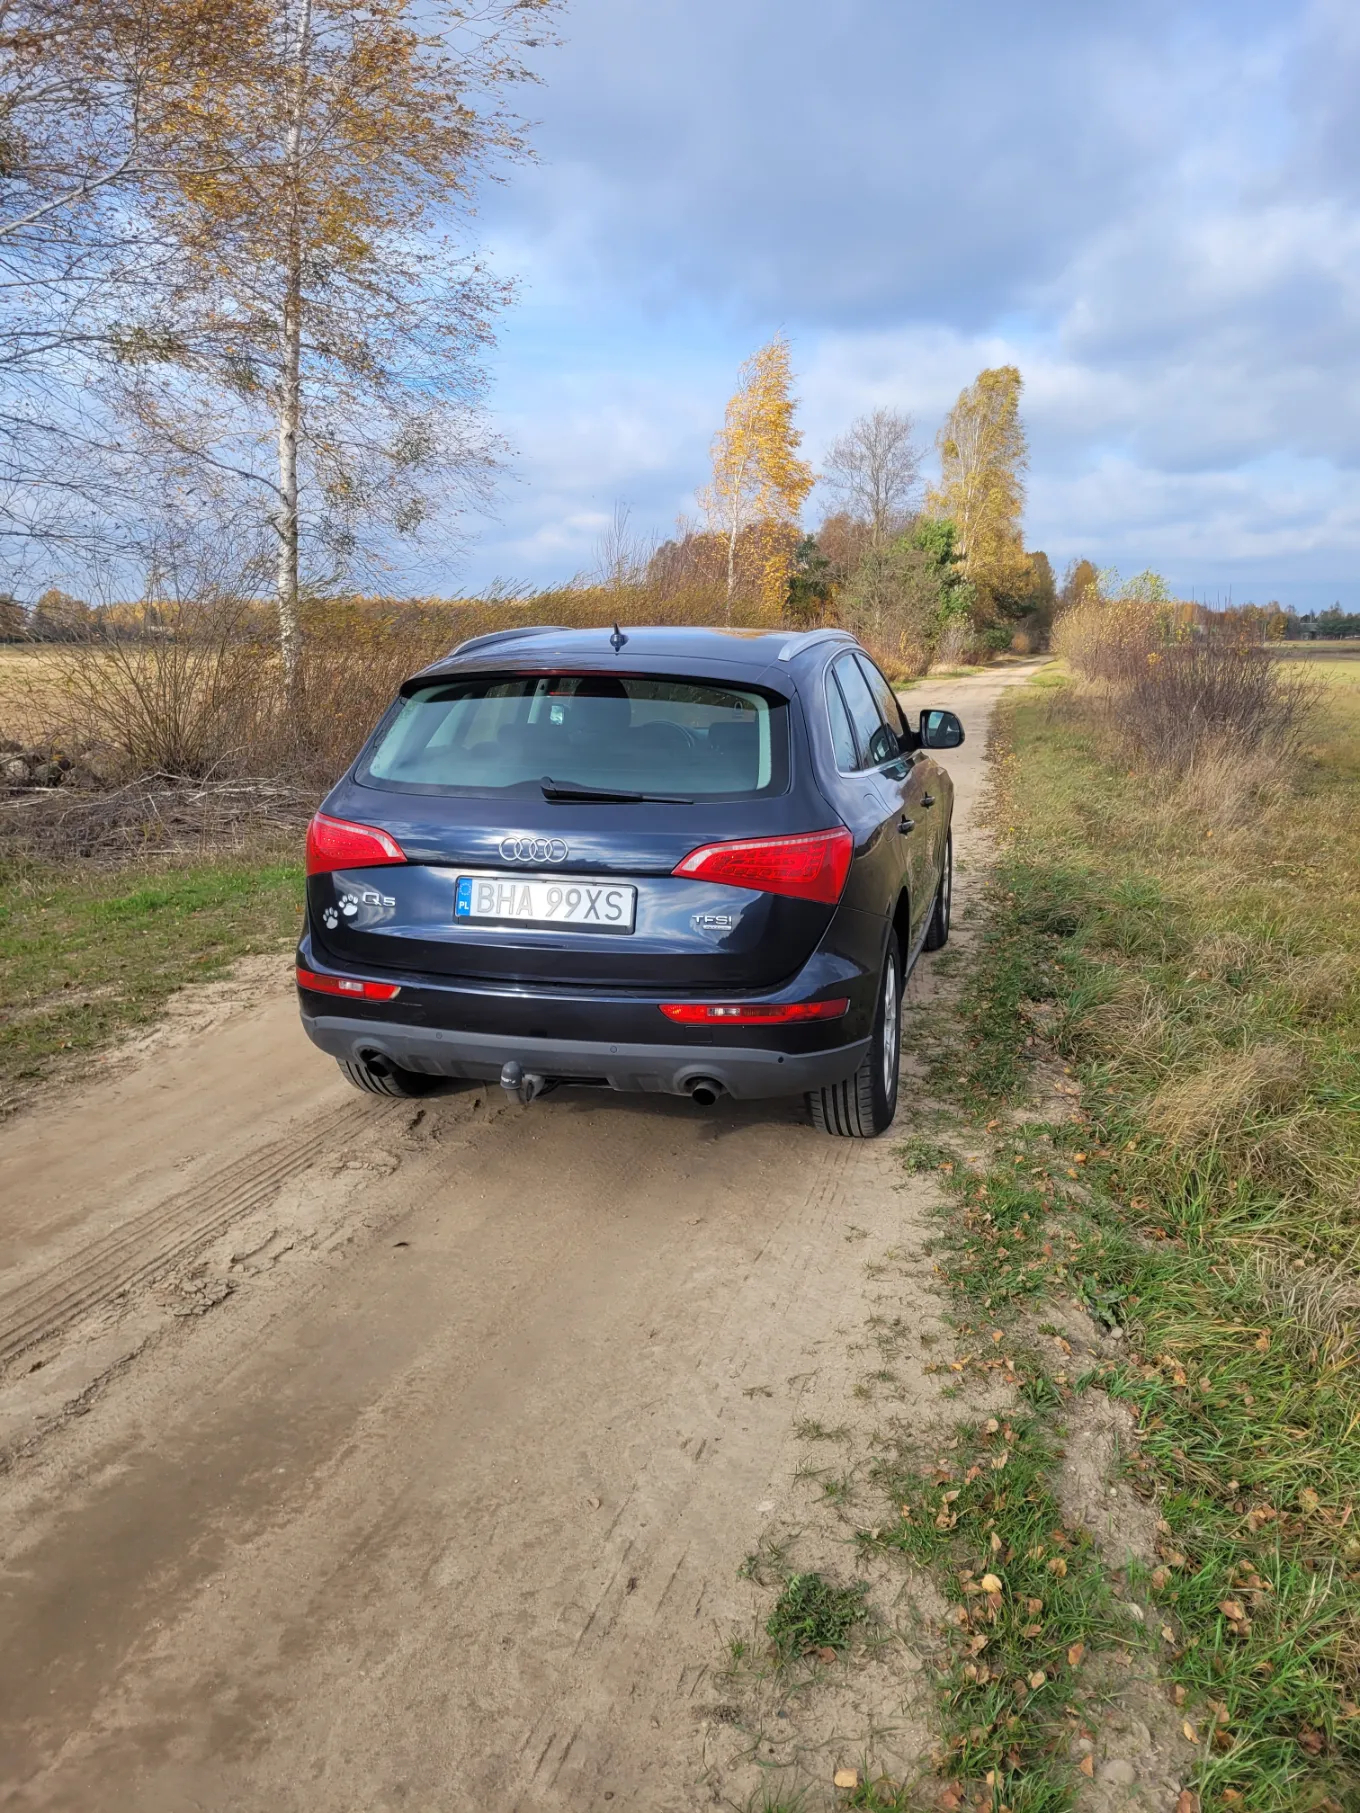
(534,849)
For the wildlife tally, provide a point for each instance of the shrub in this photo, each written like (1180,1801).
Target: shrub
(1181,689)
(189,701)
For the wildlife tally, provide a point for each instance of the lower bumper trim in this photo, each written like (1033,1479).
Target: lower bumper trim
(748,1073)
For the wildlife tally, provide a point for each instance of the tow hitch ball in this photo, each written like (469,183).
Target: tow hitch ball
(522,1085)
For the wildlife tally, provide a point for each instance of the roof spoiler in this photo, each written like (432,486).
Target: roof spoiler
(526,629)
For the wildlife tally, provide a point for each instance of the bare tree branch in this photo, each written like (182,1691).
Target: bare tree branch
(875,466)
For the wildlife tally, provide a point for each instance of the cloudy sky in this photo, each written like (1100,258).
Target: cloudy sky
(1153,209)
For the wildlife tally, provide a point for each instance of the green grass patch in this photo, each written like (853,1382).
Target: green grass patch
(87,955)
(812,1614)
(1191,961)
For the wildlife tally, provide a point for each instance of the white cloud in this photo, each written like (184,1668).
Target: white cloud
(1154,211)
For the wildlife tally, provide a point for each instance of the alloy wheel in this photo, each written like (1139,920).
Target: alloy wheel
(892,1028)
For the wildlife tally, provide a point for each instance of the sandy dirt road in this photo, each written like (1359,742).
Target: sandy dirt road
(370,1455)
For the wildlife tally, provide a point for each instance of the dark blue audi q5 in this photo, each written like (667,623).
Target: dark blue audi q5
(689,860)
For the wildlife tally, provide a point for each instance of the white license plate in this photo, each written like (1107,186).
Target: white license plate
(605,906)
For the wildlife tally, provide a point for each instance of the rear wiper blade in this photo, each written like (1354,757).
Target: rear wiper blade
(551,790)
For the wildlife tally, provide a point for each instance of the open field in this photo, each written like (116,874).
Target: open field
(1347,651)
(27,690)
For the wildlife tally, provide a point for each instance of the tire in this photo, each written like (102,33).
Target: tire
(863,1105)
(388,1081)
(937,932)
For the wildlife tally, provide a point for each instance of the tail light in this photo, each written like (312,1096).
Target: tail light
(334,843)
(756,1013)
(347,985)
(807,868)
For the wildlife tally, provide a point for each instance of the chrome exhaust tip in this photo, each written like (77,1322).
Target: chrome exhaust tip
(705,1090)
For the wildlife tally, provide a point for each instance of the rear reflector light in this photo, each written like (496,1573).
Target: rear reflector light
(761,1013)
(347,985)
(334,843)
(808,868)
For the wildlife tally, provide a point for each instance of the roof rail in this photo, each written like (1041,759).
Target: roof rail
(809,639)
(526,629)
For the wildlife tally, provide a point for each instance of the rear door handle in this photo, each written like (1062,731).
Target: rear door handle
(928,799)
(906,826)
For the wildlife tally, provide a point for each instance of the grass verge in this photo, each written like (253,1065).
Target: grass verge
(1027,1598)
(87,955)
(1193,961)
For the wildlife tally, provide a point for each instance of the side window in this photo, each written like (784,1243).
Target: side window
(889,710)
(877,743)
(842,736)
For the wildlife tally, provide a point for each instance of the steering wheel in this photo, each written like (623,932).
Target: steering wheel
(669,738)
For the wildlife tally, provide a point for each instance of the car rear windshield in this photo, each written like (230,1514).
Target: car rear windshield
(699,739)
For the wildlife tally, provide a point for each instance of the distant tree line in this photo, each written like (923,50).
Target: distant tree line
(1320,625)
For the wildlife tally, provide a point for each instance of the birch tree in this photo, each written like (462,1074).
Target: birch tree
(758,477)
(983,459)
(319,342)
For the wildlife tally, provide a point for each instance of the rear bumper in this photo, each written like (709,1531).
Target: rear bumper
(746,1072)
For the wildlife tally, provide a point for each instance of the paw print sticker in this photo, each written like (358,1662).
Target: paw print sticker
(349,905)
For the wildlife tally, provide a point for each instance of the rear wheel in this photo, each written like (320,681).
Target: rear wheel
(383,1078)
(937,933)
(863,1105)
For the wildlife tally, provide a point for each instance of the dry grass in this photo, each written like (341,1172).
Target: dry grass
(28,691)
(1218,1104)
(203,697)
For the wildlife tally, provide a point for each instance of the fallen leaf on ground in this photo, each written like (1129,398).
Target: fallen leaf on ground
(847,1778)
(1191,1735)
(1234,1609)
(990,1583)
(1087,1765)
(1187,1801)
(1074,1655)
(1038,1678)
(826,1653)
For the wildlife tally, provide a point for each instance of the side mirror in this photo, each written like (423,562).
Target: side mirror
(940,730)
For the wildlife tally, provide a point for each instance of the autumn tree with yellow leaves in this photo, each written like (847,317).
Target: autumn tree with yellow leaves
(983,459)
(318,338)
(759,484)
